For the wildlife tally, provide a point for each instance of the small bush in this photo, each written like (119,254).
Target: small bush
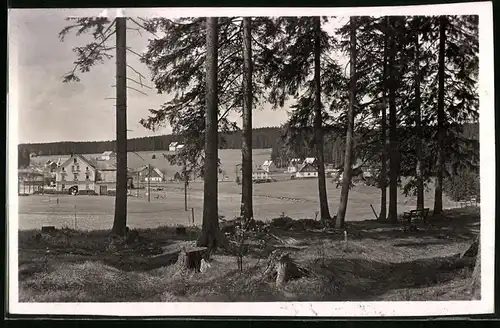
(111,193)
(461,186)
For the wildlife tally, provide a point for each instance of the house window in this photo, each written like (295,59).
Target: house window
(78,167)
(87,168)
(86,176)
(62,169)
(75,176)
(74,160)
(63,186)
(63,177)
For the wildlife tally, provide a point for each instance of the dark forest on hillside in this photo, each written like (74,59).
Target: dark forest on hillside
(269,137)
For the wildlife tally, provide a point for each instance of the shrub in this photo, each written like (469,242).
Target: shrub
(462,185)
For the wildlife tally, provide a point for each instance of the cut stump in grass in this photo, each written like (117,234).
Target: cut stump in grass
(48,229)
(190,258)
(282,266)
(181,231)
(473,249)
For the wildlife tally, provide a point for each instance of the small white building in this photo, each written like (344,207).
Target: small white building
(107,155)
(175,146)
(294,165)
(308,169)
(260,175)
(268,166)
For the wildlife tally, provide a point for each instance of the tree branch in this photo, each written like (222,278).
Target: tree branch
(90,53)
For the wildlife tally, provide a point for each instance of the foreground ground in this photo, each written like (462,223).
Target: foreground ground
(295,198)
(379,262)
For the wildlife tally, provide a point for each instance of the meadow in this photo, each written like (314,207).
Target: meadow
(297,199)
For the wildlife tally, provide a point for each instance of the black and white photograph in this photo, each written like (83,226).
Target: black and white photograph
(251,161)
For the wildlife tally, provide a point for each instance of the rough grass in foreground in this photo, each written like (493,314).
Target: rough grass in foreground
(376,264)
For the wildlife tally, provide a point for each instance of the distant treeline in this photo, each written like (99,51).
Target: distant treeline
(262,138)
(269,137)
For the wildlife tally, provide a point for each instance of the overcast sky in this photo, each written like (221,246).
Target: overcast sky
(51,110)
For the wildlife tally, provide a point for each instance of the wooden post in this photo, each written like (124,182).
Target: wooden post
(75,217)
(149,183)
(192,214)
(185,187)
(374,213)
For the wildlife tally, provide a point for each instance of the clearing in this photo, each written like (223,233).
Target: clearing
(378,262)
(295,198)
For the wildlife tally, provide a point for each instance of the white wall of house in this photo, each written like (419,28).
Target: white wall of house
(153,179)
(261,175)
(306,175)
(75,172)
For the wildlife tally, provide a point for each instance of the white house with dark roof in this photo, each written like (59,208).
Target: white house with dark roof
(108,155)
(76,171)
(175,146)
(268,166)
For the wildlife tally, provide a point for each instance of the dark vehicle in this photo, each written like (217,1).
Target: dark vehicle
(73,190)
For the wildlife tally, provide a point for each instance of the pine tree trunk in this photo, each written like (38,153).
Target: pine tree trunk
(346,183)
(210,227)
(438,196)
(120,219)
(418,125)
(318,124)
(383,133)
(393,147)
(246,144)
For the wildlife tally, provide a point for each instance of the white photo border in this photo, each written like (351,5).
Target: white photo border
(289,309)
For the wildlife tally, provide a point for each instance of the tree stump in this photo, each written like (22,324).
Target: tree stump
(473,249)
(132,236)
(47,229)
(181,231)
(282,266)
(190,258)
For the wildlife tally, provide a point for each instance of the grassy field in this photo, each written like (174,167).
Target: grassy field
(295,198)
(378,263)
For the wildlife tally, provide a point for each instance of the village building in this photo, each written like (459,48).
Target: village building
(175,146)
(294,165)
(146,173)
(108,155)
(260,175)
(308,169)
(30,180)
(76,172)
(268,166)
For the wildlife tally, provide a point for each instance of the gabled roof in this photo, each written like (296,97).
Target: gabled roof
(105,165)
(304,165)
(173,144)
(267,163)
(108,153)
(310,160)
(86,161)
